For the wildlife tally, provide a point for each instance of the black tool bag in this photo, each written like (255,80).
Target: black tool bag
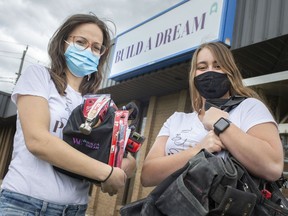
(146,206)
(276,204)
(96,145)
(208,185)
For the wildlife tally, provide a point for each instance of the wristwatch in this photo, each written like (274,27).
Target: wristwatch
(221,125)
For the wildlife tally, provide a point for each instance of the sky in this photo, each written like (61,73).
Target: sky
(27,25)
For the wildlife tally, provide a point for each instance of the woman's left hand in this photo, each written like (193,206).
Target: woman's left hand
(211,116)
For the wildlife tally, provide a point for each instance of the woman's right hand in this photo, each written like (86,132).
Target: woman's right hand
(116,181)
(211,143)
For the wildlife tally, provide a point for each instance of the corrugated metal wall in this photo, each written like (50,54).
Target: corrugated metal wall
(7,107)
(6,141)
(259,20)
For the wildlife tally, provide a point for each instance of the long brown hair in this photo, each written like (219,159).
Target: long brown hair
(56,50)
(225,60)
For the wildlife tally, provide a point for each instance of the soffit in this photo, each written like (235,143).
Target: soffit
(254,60)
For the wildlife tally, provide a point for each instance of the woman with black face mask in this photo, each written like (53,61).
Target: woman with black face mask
(248,131)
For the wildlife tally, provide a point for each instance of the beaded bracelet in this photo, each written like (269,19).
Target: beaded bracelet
(108,175)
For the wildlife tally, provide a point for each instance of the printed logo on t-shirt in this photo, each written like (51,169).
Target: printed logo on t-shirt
(62,118)
(181,141)
(59,124)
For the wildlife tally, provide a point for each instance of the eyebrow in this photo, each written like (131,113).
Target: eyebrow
(202,62)
(87,39)
(205,62)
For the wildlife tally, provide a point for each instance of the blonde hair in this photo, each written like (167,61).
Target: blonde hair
(226,61)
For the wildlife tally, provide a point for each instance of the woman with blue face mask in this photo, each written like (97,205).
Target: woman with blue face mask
(45,98)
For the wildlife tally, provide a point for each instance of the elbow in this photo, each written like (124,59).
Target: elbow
(150,176)
(275,173)
(34,145)
(144,179)
(145,182)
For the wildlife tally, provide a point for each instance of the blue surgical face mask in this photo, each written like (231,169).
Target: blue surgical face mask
(81,63)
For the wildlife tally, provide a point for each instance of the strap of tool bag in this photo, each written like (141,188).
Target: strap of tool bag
(224,104)
(270,199)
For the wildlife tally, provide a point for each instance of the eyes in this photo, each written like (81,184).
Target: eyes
(95,47)
(82,43)
(205,66)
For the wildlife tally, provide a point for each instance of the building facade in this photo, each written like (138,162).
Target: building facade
(259,43)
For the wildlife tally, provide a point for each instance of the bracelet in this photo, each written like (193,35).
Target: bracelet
(108,175)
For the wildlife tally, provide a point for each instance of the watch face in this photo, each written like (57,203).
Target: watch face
(222,124)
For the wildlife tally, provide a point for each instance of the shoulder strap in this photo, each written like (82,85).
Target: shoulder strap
(224,104)
(233,102)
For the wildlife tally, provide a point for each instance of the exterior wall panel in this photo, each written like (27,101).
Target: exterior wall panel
(6,142)
(259,20)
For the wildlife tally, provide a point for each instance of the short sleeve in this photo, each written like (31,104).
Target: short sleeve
(165,130)
(252,112)
(33,81)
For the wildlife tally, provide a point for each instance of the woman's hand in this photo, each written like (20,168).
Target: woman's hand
(116,181)
(211,116)
(211,143)
(129,165)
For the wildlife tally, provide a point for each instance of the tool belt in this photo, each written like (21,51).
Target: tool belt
(210,185)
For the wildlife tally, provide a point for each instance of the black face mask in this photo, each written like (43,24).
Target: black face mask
(212,84)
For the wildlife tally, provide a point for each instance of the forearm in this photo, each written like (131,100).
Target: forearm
(58,153)
(157,169)
(259,156)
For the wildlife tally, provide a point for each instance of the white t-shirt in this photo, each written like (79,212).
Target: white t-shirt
(185,130)
(28,174)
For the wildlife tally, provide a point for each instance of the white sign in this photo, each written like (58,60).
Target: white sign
(179,30)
